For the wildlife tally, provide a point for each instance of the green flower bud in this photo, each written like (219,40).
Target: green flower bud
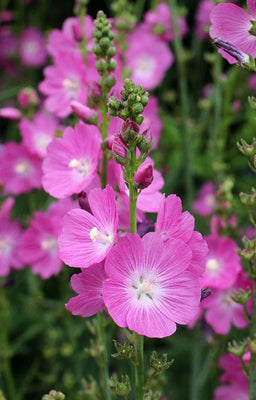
(238,349)
(97,49)
(144,100)
(122,388)
(110,81)
(137,108)
(104,42)
(111,51)
(101,66)
(139,119)
(112,65)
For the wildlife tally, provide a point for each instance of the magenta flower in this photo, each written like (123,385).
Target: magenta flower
(32,48)
(232,392)
(10,113)
(64,81)
(160,22)
(87,238)
(10,237)
(89,286)
(148,58)
(172,223)
(71,161)
(203,18)
(149,289)
(222,263)
(235,26)
(20,171)
(204,204)
(232,367)
(39,132)
(39,247)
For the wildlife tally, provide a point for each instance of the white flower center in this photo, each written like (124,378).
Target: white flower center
(209,200)
(72,86)
(144,287)
(103,238)
(213,266)
(49,244)
(4,245)
(31,48)
(145,66)
(41,141)
(82,166)
(22,167)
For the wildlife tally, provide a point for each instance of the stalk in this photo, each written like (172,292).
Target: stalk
(104,132)
(185,107)
(139,340)
(252,376)
(6,365)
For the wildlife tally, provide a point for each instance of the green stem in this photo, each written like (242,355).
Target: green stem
(252,378)
(83,29)
(104,132)
(104,366)
(6,365)
(139,340)
(185,107)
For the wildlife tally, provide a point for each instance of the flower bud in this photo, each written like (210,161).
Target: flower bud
(119,149)
(77,31)
(85,113)
(130,125)
(238,349)
(144,176)
(146,141)
(10,113)
(240,56)
(27,97)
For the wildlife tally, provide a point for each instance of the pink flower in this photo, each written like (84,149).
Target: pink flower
(204,204)
(222,264)
(20,171)
(152,120)
(89,286)
(28,97)
(39,132)
(144,175)
(172,223)
(203,18)
(10,113)
(149,289)
(222,312)
(39,247)
(148,58)
(32,48)
(235,26)
(231,392)
(70,36)
(10,237)
(83,112)
(160,22)
(232,367)
(64,81)
(87,238)
(71,161)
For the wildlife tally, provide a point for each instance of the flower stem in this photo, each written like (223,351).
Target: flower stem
(252,378)
(6,365)
(185,107)
(139,340)
(104,366)
(104,132)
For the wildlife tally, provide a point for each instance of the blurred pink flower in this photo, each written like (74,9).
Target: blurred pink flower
(204,204)
(148,58)
(32,48)
(39,247)
(160,22)
(203,18)
(39,132)
(20,171)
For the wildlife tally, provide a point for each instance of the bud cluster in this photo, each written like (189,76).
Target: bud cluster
(104,49)
(249,150)
(132,103)
(120,388)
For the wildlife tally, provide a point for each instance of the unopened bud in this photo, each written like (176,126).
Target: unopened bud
(146,141)
(85,113)
(27,97)
(129,124)
(249,200)
(122,388)
(10,113)
(144,176)
(77,31)
(240,56)
(119,150)
(238,349)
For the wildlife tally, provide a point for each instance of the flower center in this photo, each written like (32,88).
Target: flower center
(144,287)
(31,48)
(213,266)
(41,141)
(145,65)
(103,238)
(209,200)
(4,245)
(49,244)
(82,166)
(71,85)
(252,31)
(22,167)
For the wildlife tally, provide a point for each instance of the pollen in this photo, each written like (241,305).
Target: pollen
(94,234)
(213,266)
